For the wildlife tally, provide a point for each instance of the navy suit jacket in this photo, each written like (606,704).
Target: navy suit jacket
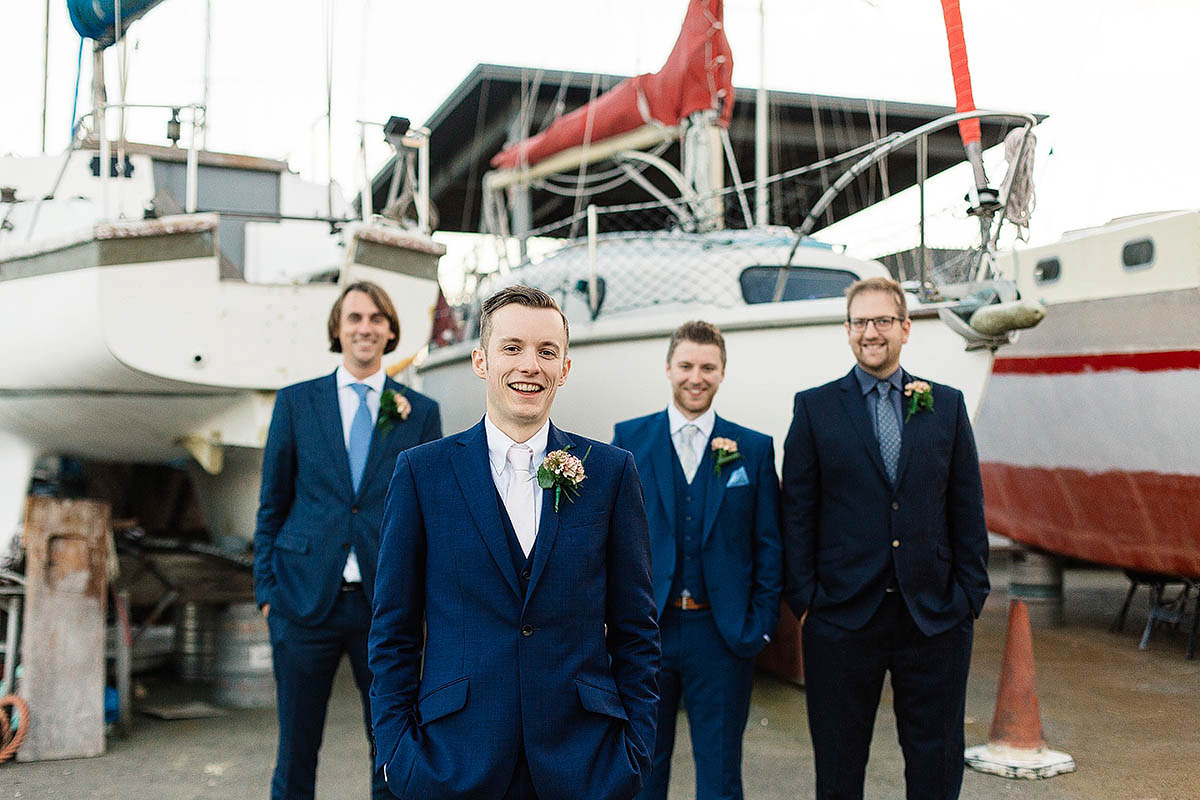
(503,671)
(742,553)
(844,522)
(309,515)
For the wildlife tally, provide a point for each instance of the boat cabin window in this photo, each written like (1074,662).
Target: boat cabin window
(778,284)
(1138,254)
(1047,270)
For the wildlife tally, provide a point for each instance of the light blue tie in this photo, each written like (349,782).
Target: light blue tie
(360,435)
(887,428)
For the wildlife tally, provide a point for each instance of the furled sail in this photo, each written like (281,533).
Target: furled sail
(97,19)
(697,76)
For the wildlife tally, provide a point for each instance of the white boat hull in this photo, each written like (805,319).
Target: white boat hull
(1088,432)
(619,367)
(160,360)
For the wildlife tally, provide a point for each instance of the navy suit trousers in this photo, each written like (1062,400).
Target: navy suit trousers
(306,660)
(844,672)
(714,686)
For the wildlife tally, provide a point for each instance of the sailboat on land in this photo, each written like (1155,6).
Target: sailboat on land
(142,281)
(778,297)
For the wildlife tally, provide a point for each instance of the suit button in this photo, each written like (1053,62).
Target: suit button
(895,542)
(345,545)
(354,510)
(895,506)
(525,574)
(527,630)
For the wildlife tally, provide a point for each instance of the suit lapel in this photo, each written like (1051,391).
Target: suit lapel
(474,476)
(662,454)
(328,414)
(856,409)
(549,524)
(716,483)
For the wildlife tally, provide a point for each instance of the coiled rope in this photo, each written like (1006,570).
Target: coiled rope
(1022,197)
(10,742)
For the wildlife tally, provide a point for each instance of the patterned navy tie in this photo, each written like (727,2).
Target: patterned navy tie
(887,428)
(360,435)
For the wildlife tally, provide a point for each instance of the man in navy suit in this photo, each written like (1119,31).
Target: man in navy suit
(330,450)
(514,643)
(713,506)
(886,552)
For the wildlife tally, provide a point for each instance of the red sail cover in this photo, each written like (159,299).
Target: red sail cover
(968,129)
(698,76)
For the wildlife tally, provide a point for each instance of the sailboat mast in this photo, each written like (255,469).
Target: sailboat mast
(761,167)
(207,73)
(46,73)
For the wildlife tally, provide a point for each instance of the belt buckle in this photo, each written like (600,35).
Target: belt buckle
(687,603)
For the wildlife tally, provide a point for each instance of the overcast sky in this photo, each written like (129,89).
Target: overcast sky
(1116,74)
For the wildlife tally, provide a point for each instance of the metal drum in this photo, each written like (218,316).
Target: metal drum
(1036,578)
(195,642)
(244,678)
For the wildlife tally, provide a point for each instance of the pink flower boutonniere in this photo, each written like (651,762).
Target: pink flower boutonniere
(561,472)
(726,450)
(920,397)
(393,407)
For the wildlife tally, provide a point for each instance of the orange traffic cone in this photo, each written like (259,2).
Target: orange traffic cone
(1016,747)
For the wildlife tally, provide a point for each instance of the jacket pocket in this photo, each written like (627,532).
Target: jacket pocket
(601,700)
(291,543)
(442,701)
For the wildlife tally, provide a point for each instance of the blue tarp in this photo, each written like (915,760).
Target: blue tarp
(97,19)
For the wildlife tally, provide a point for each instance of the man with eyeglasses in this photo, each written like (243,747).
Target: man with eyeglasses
(886,553)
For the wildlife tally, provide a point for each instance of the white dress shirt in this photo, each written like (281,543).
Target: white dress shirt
(675,422)
(348,405)
(498,443)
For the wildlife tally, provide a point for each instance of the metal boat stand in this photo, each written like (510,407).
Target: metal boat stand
(1167,608)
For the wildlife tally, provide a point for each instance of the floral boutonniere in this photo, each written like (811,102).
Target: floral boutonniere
(393,407)
(561,472)
(920,397)
(725,451)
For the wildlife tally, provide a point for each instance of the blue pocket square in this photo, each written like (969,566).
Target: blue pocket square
(738,478)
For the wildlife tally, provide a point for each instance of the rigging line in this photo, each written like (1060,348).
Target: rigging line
(529,104)
(558,106)
(473,170)
(587,141)
(75,97)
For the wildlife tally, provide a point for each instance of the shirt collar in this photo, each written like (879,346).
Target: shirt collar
(498,443)
(867,381)
(376,381)
(705,422)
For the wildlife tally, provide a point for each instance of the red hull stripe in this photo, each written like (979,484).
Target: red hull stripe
(1148,521)
(1158,361)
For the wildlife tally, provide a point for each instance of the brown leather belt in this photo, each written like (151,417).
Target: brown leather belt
(688,604)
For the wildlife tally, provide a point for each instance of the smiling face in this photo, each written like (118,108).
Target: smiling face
(877,353)
(523,361)
(695,371)
(364,333)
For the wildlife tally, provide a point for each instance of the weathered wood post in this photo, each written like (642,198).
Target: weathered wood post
(62,644)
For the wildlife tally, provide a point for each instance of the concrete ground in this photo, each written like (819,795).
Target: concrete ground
(1128,717)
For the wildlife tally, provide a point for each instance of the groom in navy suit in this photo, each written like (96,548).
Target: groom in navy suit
(712,498)
(886,552)
(330,450)
(514,644)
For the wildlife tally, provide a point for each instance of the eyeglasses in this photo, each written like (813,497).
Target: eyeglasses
(882,324)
